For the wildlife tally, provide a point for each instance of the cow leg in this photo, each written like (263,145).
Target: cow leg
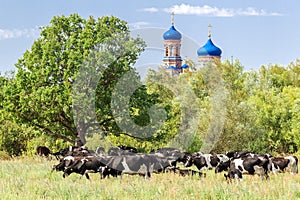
(148,174)
(87,176)
(266,174)
(65,174)
(105,171)
(261,172)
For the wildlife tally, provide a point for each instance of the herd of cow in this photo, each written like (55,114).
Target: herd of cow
(126,160)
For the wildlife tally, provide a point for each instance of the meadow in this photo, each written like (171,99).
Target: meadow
(31,178)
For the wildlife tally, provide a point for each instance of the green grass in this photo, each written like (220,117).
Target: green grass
(31,178)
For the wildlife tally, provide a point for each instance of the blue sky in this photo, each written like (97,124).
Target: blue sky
(257,32)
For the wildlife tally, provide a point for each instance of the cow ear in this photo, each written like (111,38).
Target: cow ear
(81,163)
(68,162)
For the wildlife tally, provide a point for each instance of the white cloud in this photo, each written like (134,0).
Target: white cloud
(137,25)
(253,12)
(18,33)
(206,10)
(152,9)
(185,9)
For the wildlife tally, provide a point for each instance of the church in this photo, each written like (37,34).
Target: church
(207,54)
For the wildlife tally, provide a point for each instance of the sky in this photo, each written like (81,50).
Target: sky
(256,32)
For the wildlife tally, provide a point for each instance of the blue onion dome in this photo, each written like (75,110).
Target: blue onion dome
(209,49)
(172,34)
(185,66)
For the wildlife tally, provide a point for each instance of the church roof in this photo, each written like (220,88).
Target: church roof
(172,34)
(184,66)
(209,49)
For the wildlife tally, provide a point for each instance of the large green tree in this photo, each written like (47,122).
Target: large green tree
(41,94)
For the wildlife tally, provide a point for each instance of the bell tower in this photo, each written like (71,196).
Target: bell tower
(172,44)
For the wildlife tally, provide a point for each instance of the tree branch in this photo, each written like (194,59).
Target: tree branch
(47,130)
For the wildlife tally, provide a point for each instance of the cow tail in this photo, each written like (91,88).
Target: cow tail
(296,166)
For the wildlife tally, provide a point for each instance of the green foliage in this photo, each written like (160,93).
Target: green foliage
(279,118)
(79,64)
(41,94)
(14,138)
(44,140)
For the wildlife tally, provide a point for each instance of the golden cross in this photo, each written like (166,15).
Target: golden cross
(209,30)
(172,21)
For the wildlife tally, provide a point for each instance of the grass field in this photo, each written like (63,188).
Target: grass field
(31,178)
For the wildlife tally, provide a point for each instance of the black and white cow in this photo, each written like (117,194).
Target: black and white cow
(81,165)
(65,162)
(207,161)
(293,164)
(173,155)
(128,164)
(142,164)
(223,166)
(84,165)
(282,164)
(248,165)
(264,158)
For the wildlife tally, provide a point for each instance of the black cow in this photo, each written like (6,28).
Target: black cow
(248,165)
(128,148)
(238,153)
(43,151)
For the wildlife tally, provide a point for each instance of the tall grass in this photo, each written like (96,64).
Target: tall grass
(31,178)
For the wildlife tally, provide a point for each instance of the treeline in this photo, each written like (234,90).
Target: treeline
(77,80)
(262,108)
(256,110)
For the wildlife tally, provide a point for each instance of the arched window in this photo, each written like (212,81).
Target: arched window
(167,51)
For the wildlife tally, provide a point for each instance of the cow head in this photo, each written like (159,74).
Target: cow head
(189,161)
(232,174)
(222,166)
(198,161)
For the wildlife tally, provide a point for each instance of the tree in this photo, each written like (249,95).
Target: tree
(41,94)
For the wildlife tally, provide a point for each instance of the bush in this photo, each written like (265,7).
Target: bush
(44,140)
(4,155)
(14,137)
